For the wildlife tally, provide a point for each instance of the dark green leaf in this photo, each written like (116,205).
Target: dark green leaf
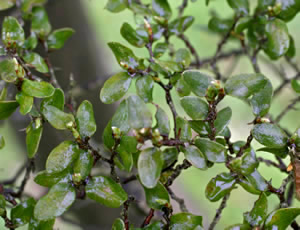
(41,225)
(120,118)
(223,119)
(57,100)
(182,88)
(107,136)
(159,49)
(200,127)
(163,123)
(116,6)
(270,135)
(257,181)
(280,219)
(57,201)
(195,107)
(46,179)
(22,213)
(6,4)
(183,58)
(84,164)
(195,157)
(57,118)
(288,9)
(2,142)
(183,128)
(115,88)
(36,61)
(213,151)
(128,146)
(57,39)
(295,85)
(62,156)
(7,108)
(197,81)
(12,32)
(131,36)
(40,22)
(144,88)
(25,102)
(39,89)
(170,155)
(249,187)
(8,70)
(161,8)
(85,120)
(28,4)
(240,6)
(106,191)
(258,212)
(245,85)
(118,224)
(157,197)
(220,25)
(280,152)
(33,138)
(292,48)
(185,221)
(180,25)
(245,164)
(219,186)
(150,164)
(242,24)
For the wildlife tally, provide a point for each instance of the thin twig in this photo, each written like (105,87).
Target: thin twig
(219,212)
(287,109)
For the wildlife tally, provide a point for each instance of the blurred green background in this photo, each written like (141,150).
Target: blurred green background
(191,184)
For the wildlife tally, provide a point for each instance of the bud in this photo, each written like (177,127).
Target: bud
(76,177)
(160,20)
(38,123)
(265,120)
(116,132)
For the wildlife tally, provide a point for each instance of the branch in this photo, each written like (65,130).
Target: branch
(219,212)
(287,109)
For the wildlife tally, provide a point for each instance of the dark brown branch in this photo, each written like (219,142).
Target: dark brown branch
(179,200)
(148,218)
(246,146)
(219,212)
(272,163)
(125,211)
(177,171)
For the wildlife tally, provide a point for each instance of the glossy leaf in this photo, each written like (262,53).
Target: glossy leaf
(258,213)
(84,164)
(115,88)
(116,6)
(62,156)
(295,85)
(160,49)
(257,181)
(240,6)
(195,107)
(107,136)
(120,118)
(139,115)
(25,102)
(242,24)
(33,138)
(6,4)
(127,147)
(7,70)
(40,22)
(57,118)
(144,88)
(280,152)
(170,155)
(163,123)
(57,201)
(270,135)
(85,120)
(118,224)
(185,221)
(223,119)
(195,157)
(106,191)
(213,151)
(183,129)
(46,179)
(12,32)
(200,127)
(245,85)
(281,218)
(288,9)
(22,213)
(246,164)
(180,25)
(57,100)
(39,89)
(7,108)
(278,39)
(219,186)
(161,8)
(150,163)
(219,25)
(157,197)
(131,36)
(197,81)
(36,61)
(57,39)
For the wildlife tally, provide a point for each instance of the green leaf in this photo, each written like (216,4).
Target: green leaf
(295,85)
(36,61)
(144,88)
(106,191)
(182,88)
(245,164)
(8,70)
(292,48)
(85,120)
(57,39)
(40,22)
(22,213)
(157,197)
(183,58)
(197,81)
(33,138)
(159,49)
(263,4)
(223,119)
(280,152)
(150,164)
(27,5)
(6,4)
(128,146)
(107,136)
(46,179)
(25,102)
(238,227)
(132,36)
(84,164)
(249,187)
(57,118)
(2,205)
(195,107)
(240,6)
(120,118)
(220,25)
(12,32)
(3,94)
(39,89)
(57,100)
(185,221)
(281,218)
(2,142)
(213,151)
(125,57)
(62,156)
(270,135)
(156,225)
(261,101)
(242,24)
(183,128)
(195,157)
(257,181)
(245,85)
(163,122)
(7,108)
(118,224)
(200,127)
(161,8)
(258,212)
(219,186)
(180,25)
(170,155)
(115,88)
(41,225)
(116,6)
(288,9)
(56,202)
(139,115)
(278,39)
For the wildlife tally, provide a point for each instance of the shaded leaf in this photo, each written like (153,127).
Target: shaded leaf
(84,164)
(57,100)
(36,61)
(33,138)
(185,221)
(240,6)
(57,39)
(163,122)
(213,151)
(120,118)
(195,157)
(57,118)
(40,22)
(157,197)
(12,32)
(161,8)
(132,36)
(25,102)
(39,89)
(195,107)
(46,179)
(246,164)
(223,119)
(85,120)
(7,108)
(7,70)
(116,6)
(183,129)
(197,81)
(295,85)
(281,218)
(41,225)
(180,25)
(258,212)
(22,213)
(144,88)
